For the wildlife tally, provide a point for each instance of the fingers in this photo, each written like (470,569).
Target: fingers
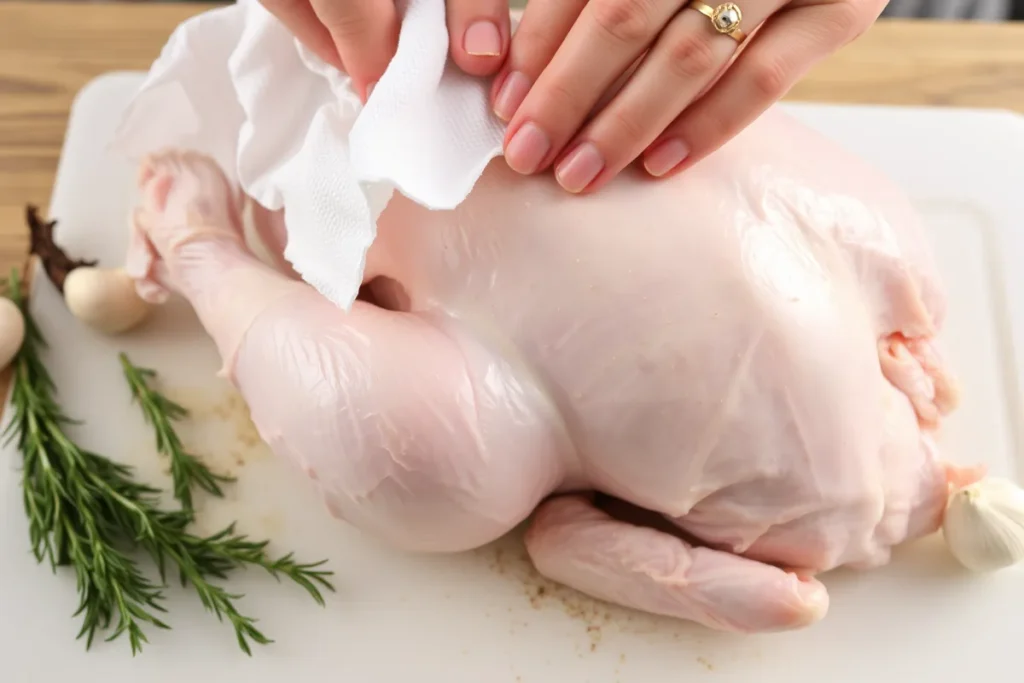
(479,34)
(357,36)
(686,57)
(605,41)
(783,50)
(365,34)
(300,19)
(543,27)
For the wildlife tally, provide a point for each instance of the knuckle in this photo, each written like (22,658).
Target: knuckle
(624,21)
(770,79)
(618,132)
(351,20)
(530,51)
(848,20)
(627,127)
(562,109)
(703,129)
(691,57)
(533,46)
(343,25)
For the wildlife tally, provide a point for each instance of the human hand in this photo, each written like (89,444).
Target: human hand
(590,85)
(360,36)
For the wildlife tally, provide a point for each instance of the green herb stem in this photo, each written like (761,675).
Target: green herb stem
(187,470)
(87,511)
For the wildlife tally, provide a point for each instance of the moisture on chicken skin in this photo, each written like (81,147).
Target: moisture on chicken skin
(746,349)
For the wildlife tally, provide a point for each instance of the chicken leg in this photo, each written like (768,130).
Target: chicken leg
(409,429)
(574,543)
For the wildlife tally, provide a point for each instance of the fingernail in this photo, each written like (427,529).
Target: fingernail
(665,156)
(579,168)
(482,39)
(527,148)
(512,93)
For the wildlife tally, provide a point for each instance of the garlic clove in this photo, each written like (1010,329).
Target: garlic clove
(984,524)
(12,331)
(104,299)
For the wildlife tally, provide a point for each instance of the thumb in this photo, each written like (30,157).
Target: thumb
(478,32)
(365,33)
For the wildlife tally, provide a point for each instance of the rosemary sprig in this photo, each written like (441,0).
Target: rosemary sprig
(160,412)
(68,494)
(87,511)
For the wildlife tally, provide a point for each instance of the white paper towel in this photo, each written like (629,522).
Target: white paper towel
(233,83)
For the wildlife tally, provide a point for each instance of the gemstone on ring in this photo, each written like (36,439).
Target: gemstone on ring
(727,17)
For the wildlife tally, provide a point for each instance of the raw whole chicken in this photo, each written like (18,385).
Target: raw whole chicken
(745,350)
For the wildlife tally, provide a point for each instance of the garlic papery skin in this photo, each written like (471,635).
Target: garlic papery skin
(12,331)
(984,524)
(104,299)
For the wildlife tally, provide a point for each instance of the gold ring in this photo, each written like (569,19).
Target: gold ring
(725,18)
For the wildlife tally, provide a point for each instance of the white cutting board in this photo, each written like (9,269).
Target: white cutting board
(485,617)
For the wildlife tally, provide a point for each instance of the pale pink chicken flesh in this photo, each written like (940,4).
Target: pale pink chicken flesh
(746,350)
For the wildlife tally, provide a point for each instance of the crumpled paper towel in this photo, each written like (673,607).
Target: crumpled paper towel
(233,83)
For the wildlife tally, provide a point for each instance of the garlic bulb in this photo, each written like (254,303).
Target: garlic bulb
(12,331)
(104,298)
(984,524)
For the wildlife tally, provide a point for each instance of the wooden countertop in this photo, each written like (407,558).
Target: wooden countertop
(49,51)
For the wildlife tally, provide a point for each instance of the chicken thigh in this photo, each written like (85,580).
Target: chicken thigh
(746,350)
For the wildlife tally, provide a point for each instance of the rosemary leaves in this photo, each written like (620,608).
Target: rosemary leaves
(88,512)
(187,471)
